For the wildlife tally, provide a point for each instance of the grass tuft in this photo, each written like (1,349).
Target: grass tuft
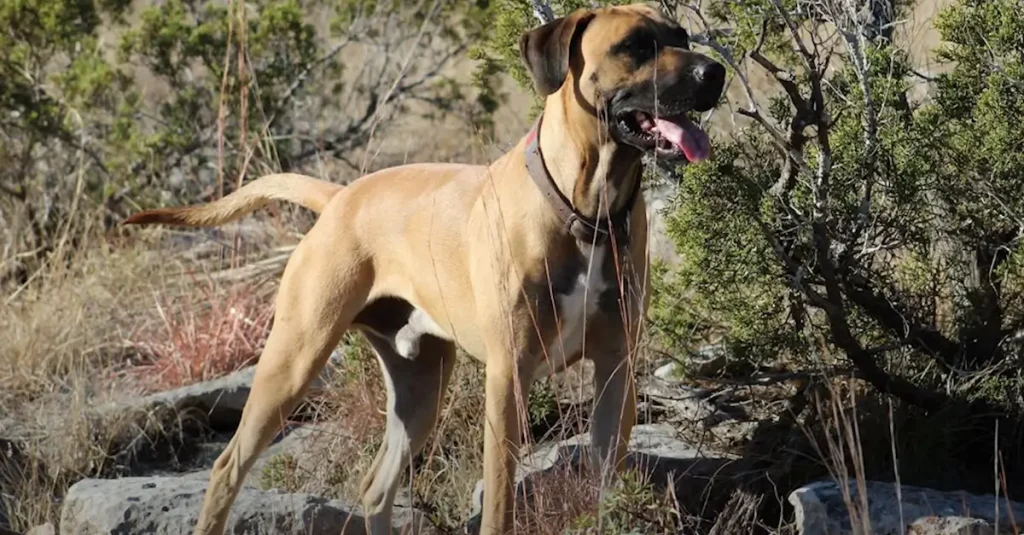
(209,335)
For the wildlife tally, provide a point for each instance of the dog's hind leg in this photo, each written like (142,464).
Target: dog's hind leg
(324,286)
(416,388)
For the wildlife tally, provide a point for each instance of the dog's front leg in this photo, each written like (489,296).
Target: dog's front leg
(614,412)
(505,399)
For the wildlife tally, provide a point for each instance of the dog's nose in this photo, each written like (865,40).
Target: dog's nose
(710,73)
(710,81)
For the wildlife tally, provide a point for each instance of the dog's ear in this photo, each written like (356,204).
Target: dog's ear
(545,50)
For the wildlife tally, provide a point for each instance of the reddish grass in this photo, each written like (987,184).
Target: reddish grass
(207,334)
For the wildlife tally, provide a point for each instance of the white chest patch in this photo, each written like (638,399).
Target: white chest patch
(575,308)
(407,339)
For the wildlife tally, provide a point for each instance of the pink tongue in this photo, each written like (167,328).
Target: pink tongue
(685,135)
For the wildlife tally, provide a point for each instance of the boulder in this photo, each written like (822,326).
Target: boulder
(821,509)
(951,525)
(684,403)
(706,361)
(221,399)
(670,371)
(303,443)
(169,505)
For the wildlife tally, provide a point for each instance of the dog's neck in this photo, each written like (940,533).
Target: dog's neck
(594,172)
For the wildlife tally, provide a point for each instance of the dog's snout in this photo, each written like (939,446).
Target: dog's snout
(711,73)
(709,76)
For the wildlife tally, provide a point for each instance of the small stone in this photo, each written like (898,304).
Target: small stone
(42,529)
(669,371)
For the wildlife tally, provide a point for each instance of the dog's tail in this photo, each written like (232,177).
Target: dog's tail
(305,191)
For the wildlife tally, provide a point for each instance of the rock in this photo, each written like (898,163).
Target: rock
(303,443)
(654,449)
(707,361)
(306,445)
(820,509)
(42,529)
(170,506)
(683,402)
(669,371)
(955,525)
(221,399)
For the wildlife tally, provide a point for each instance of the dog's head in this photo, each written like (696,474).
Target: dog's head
(632,66)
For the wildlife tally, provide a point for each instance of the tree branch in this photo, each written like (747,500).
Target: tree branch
(542,11)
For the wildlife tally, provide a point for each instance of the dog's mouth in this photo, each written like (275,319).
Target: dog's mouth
(673,136)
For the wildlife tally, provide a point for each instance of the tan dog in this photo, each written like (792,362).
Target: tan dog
(528,264)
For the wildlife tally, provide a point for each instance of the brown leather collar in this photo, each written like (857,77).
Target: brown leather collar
(581,227)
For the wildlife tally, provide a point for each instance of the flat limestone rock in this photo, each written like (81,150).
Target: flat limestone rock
(820,509)
(221,399)
(170,506)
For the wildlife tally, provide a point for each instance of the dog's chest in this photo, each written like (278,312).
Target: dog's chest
(577,300)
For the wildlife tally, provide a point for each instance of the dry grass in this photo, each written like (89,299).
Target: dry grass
(351,413)
(71,322)
(557,501)
(61,333)
(78,337)
(214,332)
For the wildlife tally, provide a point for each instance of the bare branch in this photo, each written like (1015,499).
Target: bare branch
(805,54)
(542,11)
(301,78)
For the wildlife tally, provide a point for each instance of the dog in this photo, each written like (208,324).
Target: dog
(529,264)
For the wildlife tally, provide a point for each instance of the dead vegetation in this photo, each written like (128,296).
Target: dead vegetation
(210,334)
(72,347)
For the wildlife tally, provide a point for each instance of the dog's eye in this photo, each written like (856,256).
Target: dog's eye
(644,48)
(640,47)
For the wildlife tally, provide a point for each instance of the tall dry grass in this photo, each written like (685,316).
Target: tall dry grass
(83,336)
(64,331)
(212,333)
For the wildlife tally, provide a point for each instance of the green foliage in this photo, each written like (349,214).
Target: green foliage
(943,206)
(631,506)
(280,472)
(543,401)
(727,277)
(943,178)
(165,108)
